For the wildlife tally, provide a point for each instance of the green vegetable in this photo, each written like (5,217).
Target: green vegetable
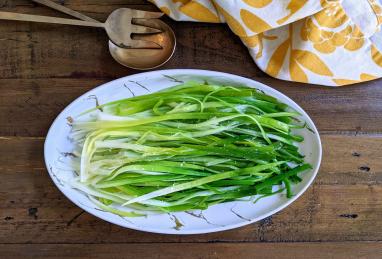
(186,147)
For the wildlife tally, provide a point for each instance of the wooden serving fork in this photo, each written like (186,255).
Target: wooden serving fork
(118,25)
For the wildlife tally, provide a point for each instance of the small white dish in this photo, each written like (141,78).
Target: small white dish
(216,218)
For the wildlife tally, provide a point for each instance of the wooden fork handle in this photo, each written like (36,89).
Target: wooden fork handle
(47,19)
(65,10)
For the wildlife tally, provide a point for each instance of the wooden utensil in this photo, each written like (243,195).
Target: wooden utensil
(65,10)
(141,59)
(118,25)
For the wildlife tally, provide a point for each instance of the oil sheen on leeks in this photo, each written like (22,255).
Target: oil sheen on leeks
(184,148)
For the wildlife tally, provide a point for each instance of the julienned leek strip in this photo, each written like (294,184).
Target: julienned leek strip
(201,181)
(186,147)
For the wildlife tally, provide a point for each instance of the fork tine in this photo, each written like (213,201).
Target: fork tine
(143,44)
(143,29)
(146,14)
(152,23)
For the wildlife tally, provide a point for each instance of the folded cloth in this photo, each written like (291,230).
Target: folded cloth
(326,42)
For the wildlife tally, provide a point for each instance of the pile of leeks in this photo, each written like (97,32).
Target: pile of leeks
(184,148)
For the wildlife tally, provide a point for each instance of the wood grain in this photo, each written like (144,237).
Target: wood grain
(340,250)
(28,107)
(344,204)
(42,69)
(45,67)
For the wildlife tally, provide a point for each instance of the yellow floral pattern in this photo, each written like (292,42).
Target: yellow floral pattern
(377,10)
(327,41)
(311,41)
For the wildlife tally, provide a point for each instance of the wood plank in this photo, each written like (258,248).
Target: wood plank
(31,51)
(28,106)
(33,71)
(342,154)
(344,204)
(340,250)
(45,67)
(34,50)
(70,3)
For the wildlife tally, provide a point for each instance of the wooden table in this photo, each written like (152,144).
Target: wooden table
(44,67)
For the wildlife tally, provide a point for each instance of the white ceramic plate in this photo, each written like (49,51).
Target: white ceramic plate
(216,218)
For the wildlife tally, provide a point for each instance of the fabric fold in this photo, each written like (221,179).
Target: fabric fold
(326,42)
